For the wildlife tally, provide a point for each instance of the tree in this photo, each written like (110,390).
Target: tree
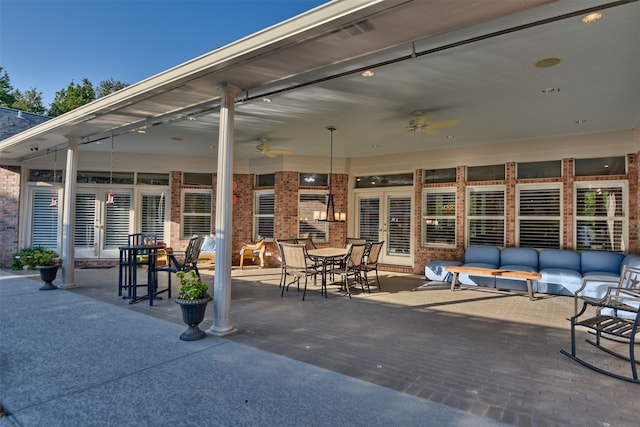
(6,90)
(29,100)
(74,96)
(110,86)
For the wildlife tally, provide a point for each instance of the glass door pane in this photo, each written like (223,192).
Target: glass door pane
(398,221)
(152,214)
(45,218)
(86,223)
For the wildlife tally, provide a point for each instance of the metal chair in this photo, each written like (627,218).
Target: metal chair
(370,262)
(190,262)
(295,263)
(616,319)
(350,265)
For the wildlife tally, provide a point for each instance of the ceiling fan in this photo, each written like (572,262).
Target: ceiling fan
(420,123)
(270,151)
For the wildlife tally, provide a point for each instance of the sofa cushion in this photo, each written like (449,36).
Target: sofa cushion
(519,256)
(632,260)
(600,261)
(483,255)
(559,259)
(561,281)
(208,245)
(435,270)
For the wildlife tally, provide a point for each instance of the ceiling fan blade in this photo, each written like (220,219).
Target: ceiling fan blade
(430,132)
(444,124)
(277,152)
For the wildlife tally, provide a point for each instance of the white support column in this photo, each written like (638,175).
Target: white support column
(68,216)
(224,215)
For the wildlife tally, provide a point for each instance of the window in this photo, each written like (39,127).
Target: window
(485,216)
(314,180)
(153,178)
(375,181)
(434,176)
(263,215)
(549,169)
(204,179)
(307,227)
(439,217)
(600,218)
(539,216)
(89,177)
(196,213)
(486,173)
(601,166)
(266,180)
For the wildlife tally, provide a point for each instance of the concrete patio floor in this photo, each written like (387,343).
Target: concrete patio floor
(490,353)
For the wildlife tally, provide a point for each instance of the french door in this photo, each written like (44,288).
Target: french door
(387,215)
(102,227)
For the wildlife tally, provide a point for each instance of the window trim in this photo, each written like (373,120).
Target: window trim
(184,191)
(560,217)
(256,215)
(624,185)
(468,190)
(323,223)
(425,217)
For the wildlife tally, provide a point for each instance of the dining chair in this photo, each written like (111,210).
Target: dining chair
(370,262)
(189,262)
(291,240)
(295,262)
(350,265)
(356,240)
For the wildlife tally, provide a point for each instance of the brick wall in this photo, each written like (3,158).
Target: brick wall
(9,216)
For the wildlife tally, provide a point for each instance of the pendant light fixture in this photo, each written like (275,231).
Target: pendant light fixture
(110,200)
(330,214)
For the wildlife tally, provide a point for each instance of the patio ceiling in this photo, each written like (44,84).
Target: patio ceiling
(466,62)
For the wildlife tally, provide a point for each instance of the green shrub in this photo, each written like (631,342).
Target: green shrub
(34,256)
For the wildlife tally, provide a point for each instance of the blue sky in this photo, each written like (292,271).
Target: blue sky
(45,44)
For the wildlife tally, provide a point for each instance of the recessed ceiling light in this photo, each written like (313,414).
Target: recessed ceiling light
(266,100)
(368,73)
(592,17)
(547,62)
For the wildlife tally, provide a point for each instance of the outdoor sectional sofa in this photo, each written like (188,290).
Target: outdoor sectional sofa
(562,271)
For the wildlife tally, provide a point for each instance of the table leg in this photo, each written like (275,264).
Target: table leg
(530,289)
(454,281)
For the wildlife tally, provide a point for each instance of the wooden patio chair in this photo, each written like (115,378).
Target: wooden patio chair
(616,319)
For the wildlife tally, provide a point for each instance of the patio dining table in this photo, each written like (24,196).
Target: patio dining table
(326,257)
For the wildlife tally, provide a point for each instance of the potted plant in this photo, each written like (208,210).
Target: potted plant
(193,300)
(47,261)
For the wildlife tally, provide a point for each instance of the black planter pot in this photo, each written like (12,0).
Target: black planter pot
(48,274)
(193,312)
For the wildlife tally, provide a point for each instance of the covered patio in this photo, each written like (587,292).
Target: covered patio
(494,354)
